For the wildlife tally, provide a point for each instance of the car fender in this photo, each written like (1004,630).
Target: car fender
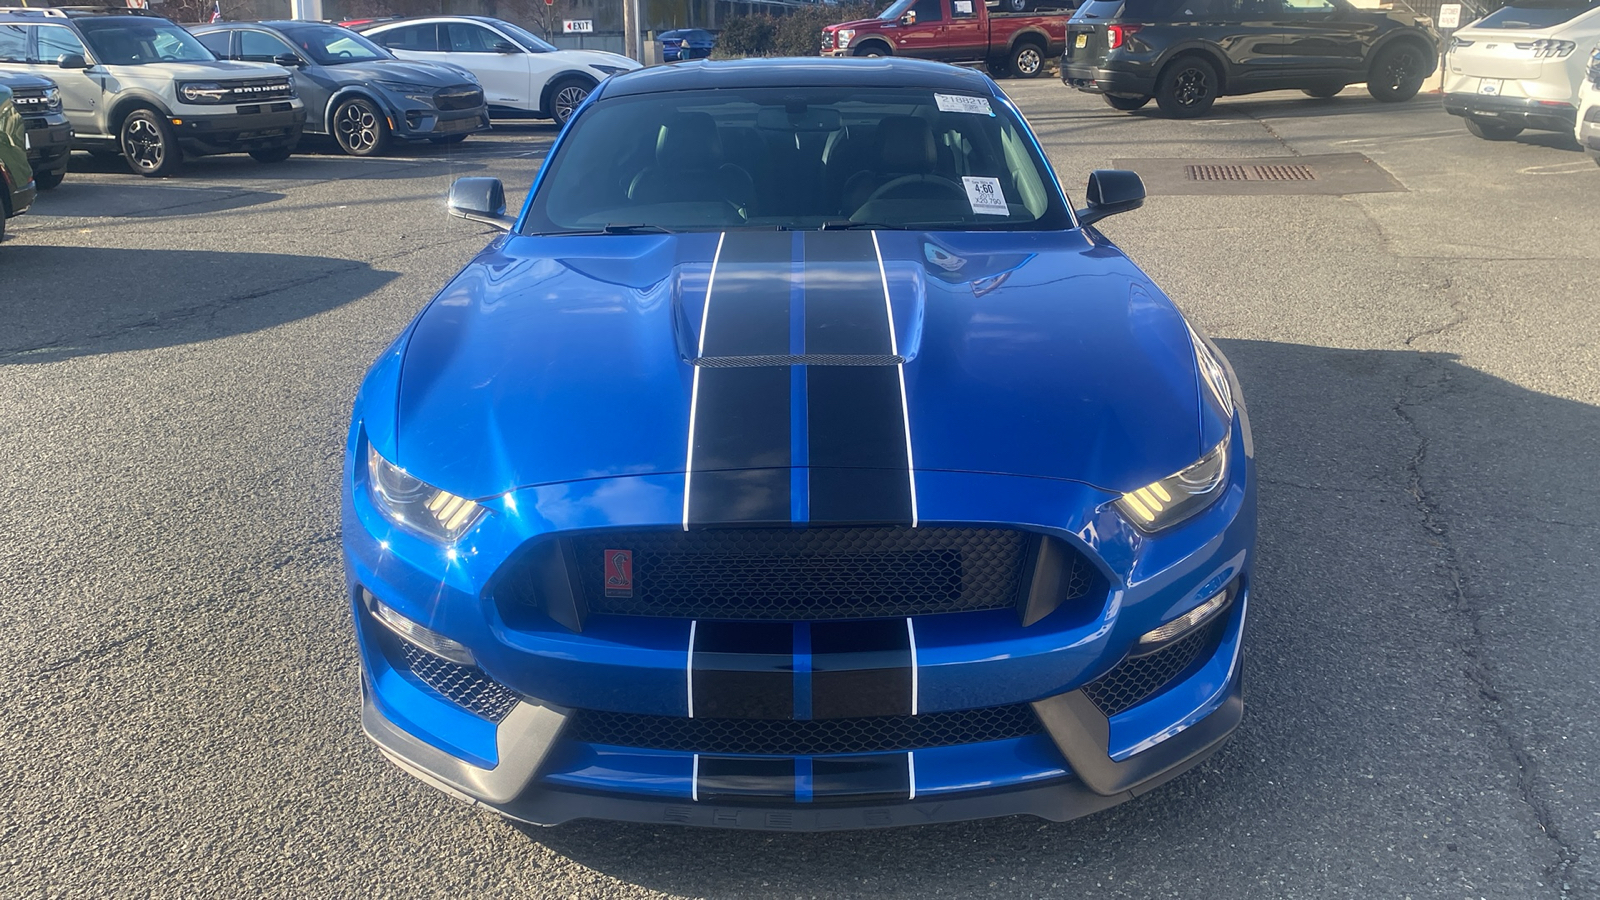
(880,40)
(557,77)
(1032,34)
(129,100)
(345,93)
(1422,39)
(1210,51)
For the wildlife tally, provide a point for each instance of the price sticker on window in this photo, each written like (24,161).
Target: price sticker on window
(985,196)
(963,104)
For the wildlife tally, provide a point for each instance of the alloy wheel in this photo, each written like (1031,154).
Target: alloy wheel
(568,99)
(1401,69)
(1192,87)
(1028,62)
(144,144)
(358,128)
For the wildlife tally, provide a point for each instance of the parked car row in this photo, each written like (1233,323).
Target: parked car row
(125,82)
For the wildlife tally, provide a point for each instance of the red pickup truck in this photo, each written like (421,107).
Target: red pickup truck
(955,31)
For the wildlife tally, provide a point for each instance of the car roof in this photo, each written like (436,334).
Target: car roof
(884,71)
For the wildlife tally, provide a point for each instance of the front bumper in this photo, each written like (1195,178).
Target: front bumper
(1539,115)
(50,138)
(265,126)
(1589,123)
(420,124)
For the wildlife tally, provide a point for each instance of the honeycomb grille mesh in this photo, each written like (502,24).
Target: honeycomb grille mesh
(810,737)
(1137,679)
(465,686)
(801,575)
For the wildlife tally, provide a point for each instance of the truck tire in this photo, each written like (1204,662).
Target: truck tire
(1187,87)
(1015,6)
(149,145)
(1027,60)
(872,48)
(49,179)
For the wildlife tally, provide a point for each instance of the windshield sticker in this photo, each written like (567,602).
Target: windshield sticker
(963,104)
(985,196)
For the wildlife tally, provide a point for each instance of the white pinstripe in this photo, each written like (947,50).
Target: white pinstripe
(894,349)
(694,392)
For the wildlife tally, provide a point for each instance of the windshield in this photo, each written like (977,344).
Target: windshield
(118,41)
(895,10)
(1537,13)
(800,158)
(328,45)
(525,38)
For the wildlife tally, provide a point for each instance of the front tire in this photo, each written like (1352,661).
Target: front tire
(274,155)
(1026,61)
(1187,88)
(870,49)
(149,145)
(359,128)
(565,98)
(49,180)
(1493,131)
(1126,102)
(1397,73)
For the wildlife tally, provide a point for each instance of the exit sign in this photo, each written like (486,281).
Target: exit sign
(577,26)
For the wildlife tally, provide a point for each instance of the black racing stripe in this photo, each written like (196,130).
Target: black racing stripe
(742,415)
(856,441)
(868,777)
(860,669)
(725,778)
(743,670)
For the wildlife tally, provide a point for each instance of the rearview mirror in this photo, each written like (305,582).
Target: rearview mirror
(72,61)
(481,200)
(1111,191)
(288,60)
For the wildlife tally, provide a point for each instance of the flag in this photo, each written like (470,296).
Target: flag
(216,10)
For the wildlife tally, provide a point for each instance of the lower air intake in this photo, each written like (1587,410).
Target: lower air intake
(1139,678)
(465,686)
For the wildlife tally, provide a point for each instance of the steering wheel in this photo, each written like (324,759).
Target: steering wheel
(344,54)
(938,181)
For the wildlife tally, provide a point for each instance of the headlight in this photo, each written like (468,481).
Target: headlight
(845,36)
(416,504)
(609,70)
(1162,504)
(202,92)
(417,93)
(52,98)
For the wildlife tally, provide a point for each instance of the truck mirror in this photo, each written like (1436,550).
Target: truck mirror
(910,18)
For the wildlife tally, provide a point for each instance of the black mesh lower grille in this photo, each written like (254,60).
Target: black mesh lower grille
(812,737)
(800,575)
(464,686)
(1138,679)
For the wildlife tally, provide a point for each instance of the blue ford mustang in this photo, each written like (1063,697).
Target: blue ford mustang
(799,459)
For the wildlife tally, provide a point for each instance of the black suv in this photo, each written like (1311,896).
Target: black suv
(1187,53)
(49,136)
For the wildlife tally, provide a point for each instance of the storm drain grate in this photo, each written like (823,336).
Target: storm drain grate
(1250,173)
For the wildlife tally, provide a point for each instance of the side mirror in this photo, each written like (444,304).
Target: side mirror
(481,200)
(910,18)
(1111,191)
(72,61)
(504,47)
(289,60)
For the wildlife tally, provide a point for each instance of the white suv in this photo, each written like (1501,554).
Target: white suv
(522,76)
(1520,67)
(140,86)
(1589,107)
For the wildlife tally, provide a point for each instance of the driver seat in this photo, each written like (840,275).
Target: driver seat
(905,146)
(689,167)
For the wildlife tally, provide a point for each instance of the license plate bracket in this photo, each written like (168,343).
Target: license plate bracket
(1082,42)
(1489,87)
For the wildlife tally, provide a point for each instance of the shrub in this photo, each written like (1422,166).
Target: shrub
(800,32)
(746,36)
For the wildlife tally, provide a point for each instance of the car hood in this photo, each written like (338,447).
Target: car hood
(553,359)
(400,70)
(856,23)
(596,58)
(208,69)
(22,81)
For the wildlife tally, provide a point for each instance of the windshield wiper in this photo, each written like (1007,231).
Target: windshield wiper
(635,229)
(846,225)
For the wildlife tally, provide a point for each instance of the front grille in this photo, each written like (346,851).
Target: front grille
(1139,678)
(258,90)
(33,103)
(465,686)
(808,737)
(802,575)
(458,98)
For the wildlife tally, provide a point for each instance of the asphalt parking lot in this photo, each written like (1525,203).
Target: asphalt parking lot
(178,695)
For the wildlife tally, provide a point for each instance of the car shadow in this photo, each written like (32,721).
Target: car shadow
(1365,747)
(111,300)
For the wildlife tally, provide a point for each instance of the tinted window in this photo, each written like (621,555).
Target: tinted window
(1536,14)
(421,38)
(56,41)
(797,158)
(929,10)
(471,38)
(13,44)
(121,41)
(258,46)
(329,45)
(529,42)
(1161,10)
(1304,7)
(216,42)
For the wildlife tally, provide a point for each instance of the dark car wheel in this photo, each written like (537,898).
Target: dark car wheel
(149,145)
(869,49)
(1027,61)
(1493,131)
(1016,5)
(274,155)
(1187,87)
(1126,102)
(566,97)
(359,128)
(1323,91)
(448,138)
(1397,73)
(45,180)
